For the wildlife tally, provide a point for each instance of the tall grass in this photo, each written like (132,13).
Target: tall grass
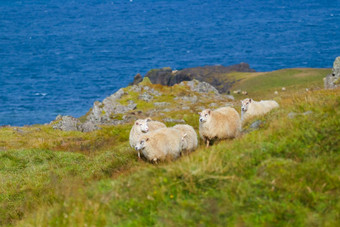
(286,174)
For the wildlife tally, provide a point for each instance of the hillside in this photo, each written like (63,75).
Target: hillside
(286,172)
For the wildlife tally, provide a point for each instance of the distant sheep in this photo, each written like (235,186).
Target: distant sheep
(223,123)
(276,92)
(283,89)
(142,126)
(189,137)
(160,144)
(252,108)
(244,93)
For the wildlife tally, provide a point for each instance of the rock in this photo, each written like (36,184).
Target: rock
(88,127)
(137,79)
(332,81)
(230,97)
(201,87)
(160,76)
(292,115)
(191,99)
(307,112)
(161,104)
(256,125)
(146,97)
(102,113)
(66,123)
(214,75)
(174,120)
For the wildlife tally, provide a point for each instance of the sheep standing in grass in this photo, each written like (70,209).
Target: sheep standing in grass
(223,123)
(252,108)
(142,126)
(160,144)
(189,137)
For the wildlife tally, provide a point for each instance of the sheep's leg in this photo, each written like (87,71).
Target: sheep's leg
(208,143)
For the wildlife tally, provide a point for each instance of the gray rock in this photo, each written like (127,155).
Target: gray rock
(191,99)
(174,120)
(136,88)
(160,104)
(332,81)
(230,97)
(146,97)
(256,125)
(88,127)
(201,87)
(292,115)
(102,113)
(66,123)
(307,112)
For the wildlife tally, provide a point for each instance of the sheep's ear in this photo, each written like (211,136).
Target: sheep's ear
(209,111)
(148,119)
(250,100)
(137,123)
(147,139)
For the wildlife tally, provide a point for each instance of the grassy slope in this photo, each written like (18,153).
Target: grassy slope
(267,176)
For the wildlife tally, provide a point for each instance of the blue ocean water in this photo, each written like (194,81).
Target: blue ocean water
(59,56)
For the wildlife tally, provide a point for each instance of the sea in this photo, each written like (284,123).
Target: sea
(60,56)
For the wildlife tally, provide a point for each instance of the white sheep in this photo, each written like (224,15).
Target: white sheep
(252,108)
(189,137)
(160,144)
(223,123)
(142,126)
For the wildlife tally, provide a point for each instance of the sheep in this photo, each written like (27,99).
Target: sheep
(223,123)
(276,92)
(142,126)
(160,144)
(252,108)
(244,93)
(189,137)
(283,89)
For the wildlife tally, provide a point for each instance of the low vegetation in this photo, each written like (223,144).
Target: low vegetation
(284,173)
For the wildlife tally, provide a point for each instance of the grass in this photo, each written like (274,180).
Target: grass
(284,174)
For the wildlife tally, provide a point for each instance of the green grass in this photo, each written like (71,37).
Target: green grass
(284,174)
(264,84)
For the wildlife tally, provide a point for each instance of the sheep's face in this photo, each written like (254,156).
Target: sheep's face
(142,125)
(141,144)
(204,115)
(245,104)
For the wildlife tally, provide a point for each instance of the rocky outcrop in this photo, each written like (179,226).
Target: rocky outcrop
(104,112)
(214,75)
(333,80)
(201,87)
(118,107)
(66,123)
(137,79)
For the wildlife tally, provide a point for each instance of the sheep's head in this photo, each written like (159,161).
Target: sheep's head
(245,104)
(142,124)
(184,141)
(141,144)
(204,115)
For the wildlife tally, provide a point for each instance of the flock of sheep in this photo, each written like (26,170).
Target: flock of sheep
(157,142)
